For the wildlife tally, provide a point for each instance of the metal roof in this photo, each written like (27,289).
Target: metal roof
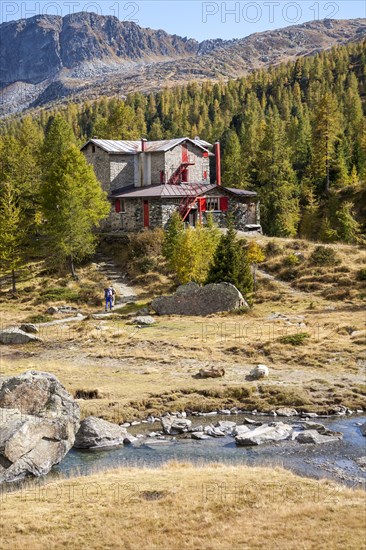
(242,192)
(165,190)
(171,191)
(134,147)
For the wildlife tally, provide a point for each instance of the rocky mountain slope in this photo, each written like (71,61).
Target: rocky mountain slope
(49,58)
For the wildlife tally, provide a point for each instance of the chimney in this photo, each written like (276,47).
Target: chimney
(143,144)
(218,163)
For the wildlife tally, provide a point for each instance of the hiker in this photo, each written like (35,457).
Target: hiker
(108,295)
(113,296)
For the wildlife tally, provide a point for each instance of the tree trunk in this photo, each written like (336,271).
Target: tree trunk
(255,277)
(72,269)
(13,281)
(327,185)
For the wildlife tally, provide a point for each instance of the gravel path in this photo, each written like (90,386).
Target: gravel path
(124,292)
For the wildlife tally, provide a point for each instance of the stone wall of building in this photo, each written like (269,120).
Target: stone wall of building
(167,208)
(157,165)
(99,159)
(173,160)
(132,219)
(122,171)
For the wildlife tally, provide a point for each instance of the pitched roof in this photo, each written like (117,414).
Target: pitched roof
(134,147)
(171,191)
(241,192)
(164,191)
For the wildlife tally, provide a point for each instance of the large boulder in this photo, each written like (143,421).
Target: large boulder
(193,299)
(29,328)
(363,429)
(260,371)
(320,428)
(213,372)
(173,425)
(95,432)
(144,320)
(286,411)
(268,433)
(38,423)
(314,437)
(16,336)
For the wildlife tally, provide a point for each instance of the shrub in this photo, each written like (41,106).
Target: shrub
(38,318)
(361,275)
(230,263)
(58,294)
(86,394)
(295,339)
(272,249)
(144,265)
(324,255)
(146,243)
(292,259)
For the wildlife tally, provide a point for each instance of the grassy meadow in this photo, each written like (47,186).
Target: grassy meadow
(180,506)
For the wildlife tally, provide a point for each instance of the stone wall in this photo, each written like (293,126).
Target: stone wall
(133,217)
(244,213)
(173,160)
(160,212)
(122,171)
(100,162)
(167,208)
(157,165)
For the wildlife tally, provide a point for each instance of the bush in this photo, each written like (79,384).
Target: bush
(361,275)
(58,294)
(295,339)
(144,265)
(146,243)
(291,260)
(324,255)
(38,318)
(272,249)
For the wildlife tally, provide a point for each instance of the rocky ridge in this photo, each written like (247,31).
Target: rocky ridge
(49,58)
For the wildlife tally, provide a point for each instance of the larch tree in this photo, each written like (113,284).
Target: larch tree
(325,130)
(276,181)
(11,231)
(72,198)
(230,263)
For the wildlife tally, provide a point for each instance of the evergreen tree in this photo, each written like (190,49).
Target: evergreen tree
(173,236)
(11,231)
(325,130)
(348,228)
(72,199)
(276,182)
(310,216)
(230,263)
(232,164)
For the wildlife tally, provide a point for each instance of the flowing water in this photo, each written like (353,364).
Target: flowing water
(333,460)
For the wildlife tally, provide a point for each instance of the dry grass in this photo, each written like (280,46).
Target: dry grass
(184,507)
(294,263)
(152,370)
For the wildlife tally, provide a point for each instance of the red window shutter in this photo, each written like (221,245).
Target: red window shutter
(118,205)
(205,154)
(205,174)
(224,204)
(202,204)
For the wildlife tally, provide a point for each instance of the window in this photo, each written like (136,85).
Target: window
(93,148)
(212,203)
(120,206)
